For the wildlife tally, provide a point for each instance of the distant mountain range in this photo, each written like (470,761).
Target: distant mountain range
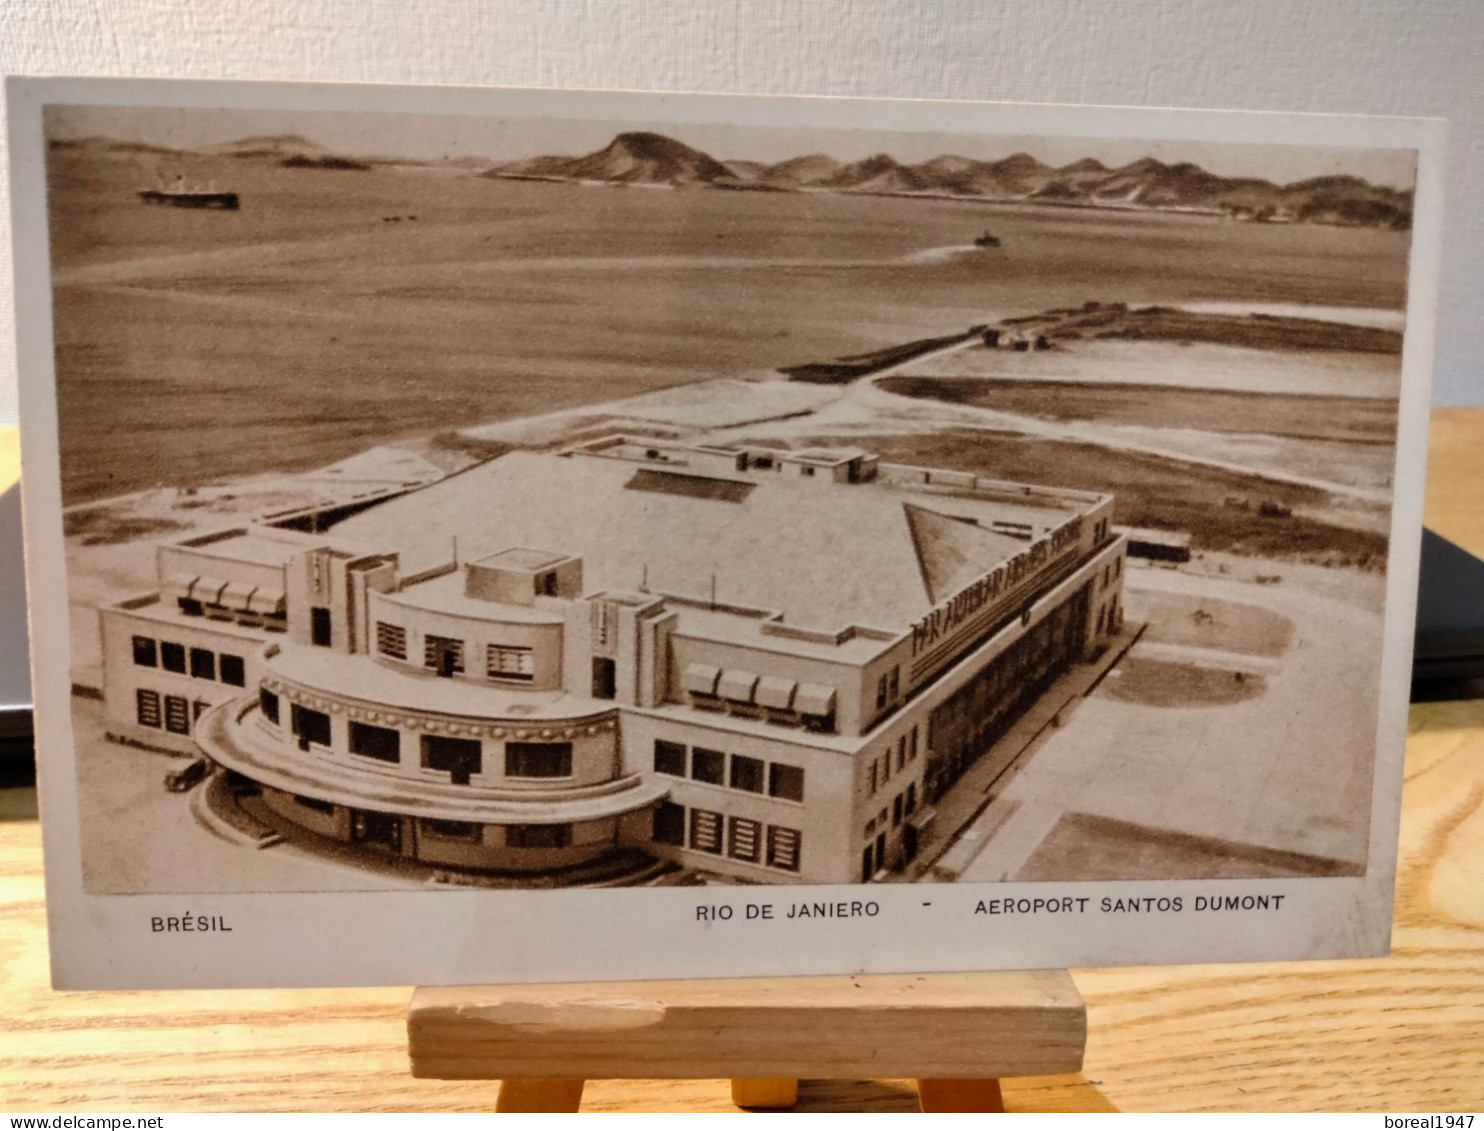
(652,159)
(643,158)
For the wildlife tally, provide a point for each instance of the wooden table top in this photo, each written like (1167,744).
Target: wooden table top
(1405,1033)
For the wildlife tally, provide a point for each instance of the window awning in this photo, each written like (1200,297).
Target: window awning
(238,595)
(737,685)
(815,699)
(775,692)
(700,679)
(266,600)
(208,590)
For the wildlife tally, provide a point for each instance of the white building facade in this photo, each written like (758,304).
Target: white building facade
(587,666)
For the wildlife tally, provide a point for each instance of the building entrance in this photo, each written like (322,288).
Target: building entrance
(381,829)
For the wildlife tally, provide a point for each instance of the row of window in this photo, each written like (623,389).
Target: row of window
(199,663)
(445,654)
(751,775)
(385,826)
(272,622)
(903,805)
(173,713)
(881,768)
(737,837)
(888,687)
(461,758)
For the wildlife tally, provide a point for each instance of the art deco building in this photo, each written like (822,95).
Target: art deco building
(756,663)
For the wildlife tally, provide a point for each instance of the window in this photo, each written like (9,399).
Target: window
(669,823)
(901,752)
(233,670)
(309,726)
(546,585)
(147,708)
(874,783)
(538,759)
(198,708)
(747,773)
(893,684)
(744,839)
(203,663)
(459,757)
(172,657)
(911,806)
(177,715)
(381,743)
(449,830)
(319,626)
(443,654)
(880,692)
(786,782)
(605,678)
(1117,567)
(669,758)
(314,803)
(391,640)
(268,704)
(707,766)
(912,746)
(885,766)
(503,661)
(538,836)
(705,831)
(783,848)
(896,810)
(146,655)
(189,607)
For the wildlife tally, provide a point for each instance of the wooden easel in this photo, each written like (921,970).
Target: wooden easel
(956,1034)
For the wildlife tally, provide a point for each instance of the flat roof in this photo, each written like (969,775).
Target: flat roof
(445,594)
(825,555)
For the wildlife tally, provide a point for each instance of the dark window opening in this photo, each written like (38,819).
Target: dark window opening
(146,655)
(708,766)
(896,810)
(747,773)
(450,830)
(605,678)
(546,585)
(268,704)
(538,759)
(381,743)
(203,663)
(669,758)
(319,626)
(189,607)
(384,829)
(786,782)
(173,657)
(309,726)
(538,836)
(233,670)
(459,757)
(669,823)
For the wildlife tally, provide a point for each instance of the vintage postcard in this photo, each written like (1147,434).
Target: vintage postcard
(483,535)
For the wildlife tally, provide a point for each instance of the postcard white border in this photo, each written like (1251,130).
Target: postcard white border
(451,937)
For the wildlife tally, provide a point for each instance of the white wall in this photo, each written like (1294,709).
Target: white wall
(1345,56)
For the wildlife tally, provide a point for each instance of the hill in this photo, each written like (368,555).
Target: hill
(650,158)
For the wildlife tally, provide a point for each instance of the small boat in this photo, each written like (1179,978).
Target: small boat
(987,240)
(181,195)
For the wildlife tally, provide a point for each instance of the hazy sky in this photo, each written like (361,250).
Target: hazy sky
(503,139)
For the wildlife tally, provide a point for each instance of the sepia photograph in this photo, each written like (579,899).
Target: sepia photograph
(515,502)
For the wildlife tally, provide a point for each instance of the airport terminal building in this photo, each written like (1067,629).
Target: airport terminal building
(765,665)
